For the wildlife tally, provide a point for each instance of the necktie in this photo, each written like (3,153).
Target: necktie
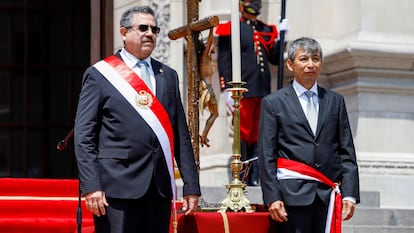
(311,112)
(145,76)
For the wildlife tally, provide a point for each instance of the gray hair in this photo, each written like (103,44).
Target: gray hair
(309,46)
(127,16)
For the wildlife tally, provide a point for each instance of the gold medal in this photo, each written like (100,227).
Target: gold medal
(143,99)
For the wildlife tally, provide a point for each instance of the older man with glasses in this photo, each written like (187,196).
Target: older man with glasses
(130,126)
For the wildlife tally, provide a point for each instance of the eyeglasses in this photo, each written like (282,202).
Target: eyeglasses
(144,28)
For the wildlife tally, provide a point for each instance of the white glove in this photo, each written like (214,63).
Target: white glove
(229,101)
(284,25)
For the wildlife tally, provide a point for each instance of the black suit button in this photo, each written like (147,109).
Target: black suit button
(317,165)
(316,144)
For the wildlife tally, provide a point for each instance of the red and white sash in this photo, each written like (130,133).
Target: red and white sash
(289,169)
(137,93)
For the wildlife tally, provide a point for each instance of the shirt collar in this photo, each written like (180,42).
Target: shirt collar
(299,89)
(130,60)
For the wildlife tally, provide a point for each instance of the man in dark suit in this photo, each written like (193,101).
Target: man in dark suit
(259,47)
(305,164)
(130,126)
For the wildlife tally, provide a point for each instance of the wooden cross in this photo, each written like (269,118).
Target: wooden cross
(191,33)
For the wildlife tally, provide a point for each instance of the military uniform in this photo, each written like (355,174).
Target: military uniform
(258,47)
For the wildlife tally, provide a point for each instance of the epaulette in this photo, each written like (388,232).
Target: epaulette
(224,29)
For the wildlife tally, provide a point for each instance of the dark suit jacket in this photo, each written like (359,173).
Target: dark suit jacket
(284,132)
(117,151)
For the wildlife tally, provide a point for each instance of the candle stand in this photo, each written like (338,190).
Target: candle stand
(236,199)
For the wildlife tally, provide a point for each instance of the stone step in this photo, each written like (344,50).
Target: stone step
(368,217)
(377,229)
(382,217)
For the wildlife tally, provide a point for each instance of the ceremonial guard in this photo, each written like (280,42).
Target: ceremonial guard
(259,47)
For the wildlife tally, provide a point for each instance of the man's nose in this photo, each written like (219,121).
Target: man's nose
(310,63)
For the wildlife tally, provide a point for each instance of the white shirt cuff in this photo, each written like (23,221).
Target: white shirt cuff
(352,199)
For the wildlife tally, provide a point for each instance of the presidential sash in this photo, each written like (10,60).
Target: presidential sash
(289,169)
(141,98)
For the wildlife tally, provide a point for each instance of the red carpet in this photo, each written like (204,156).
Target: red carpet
(50,206)
(41,206)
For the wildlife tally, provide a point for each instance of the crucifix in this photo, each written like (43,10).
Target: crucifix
(191,33)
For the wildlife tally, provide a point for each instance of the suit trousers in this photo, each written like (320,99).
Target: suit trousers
(149,214)
(305,219)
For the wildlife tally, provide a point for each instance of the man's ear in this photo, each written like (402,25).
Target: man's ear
(123,31)
(289,64)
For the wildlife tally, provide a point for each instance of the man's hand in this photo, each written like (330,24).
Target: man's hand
(96,203)
(348,208)
(278,212)
(190,204)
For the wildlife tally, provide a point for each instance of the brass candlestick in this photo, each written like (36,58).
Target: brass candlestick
(236,200)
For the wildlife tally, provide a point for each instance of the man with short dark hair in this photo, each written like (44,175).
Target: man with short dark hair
(308,167)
